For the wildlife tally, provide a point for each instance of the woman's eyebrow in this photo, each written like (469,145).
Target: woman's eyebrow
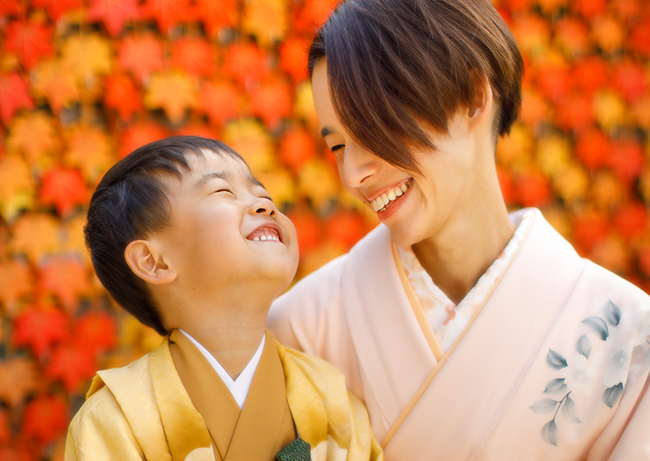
(325,132)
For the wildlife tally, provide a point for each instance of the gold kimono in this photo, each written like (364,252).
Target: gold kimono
(172,405)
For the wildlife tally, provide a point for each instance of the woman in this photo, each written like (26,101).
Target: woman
(469,333)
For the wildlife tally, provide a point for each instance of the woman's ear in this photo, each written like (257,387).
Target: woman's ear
(147,262)
(480,107)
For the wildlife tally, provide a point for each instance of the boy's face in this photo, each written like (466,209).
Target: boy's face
(225,230)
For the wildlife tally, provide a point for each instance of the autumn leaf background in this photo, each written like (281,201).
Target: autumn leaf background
(84,82)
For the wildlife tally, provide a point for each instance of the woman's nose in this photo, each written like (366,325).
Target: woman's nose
(357,166)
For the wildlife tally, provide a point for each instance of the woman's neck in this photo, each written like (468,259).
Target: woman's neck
(463,252)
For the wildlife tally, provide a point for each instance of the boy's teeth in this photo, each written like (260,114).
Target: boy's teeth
(384,199)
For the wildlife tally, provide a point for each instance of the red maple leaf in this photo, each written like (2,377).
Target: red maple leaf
(507,185)
(64,188)
(553,80)
(631,219)
(113,13)
(220,101)
(574,111)
(215,15)
(195,55)
(39,328)
(122,95)
(272,101)
(589,8)
(16,8)
(572,33)
(312,14)
(590,74)
(97,331)
(15,282)
(30,40)
(592,148)
(639,39)
(345,228)
(589,229)
(138,135)
(293,57)
(5,428)
(14,95)
(297,146)
(56,8)
(308,229)
(65,278)
(72,364)
(141,55)
(46,419)
(629,78)
(626,159)
(533,189)
(167,13)
(246,63)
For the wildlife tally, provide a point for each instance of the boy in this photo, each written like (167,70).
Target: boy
(186,239)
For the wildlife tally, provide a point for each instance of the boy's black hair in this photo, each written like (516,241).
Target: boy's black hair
(130,203)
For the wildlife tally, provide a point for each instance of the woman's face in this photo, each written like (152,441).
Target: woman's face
(415,207)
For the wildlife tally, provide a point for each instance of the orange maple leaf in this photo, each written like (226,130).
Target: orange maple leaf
(16,186)
(89,149)
(345,228)
(30,40)
(553,79)
(574,111)
(608,32)
(34,135)
(72,364)
(534,108)
(312,14)
(631,219)
(141,55)
(138,135)
(220,101)
(174,92)
(552,6)
(97,331)
(639,39)
(630,79)
(308,229)
(215,15)
(626,159)
(194,55)
(297,146)
(267,20)
(592,148)
(40,328)
(68,279)
(590,74)
(166,13)
(64,188)
(113,13)
(16,281)
(572,35)
(533,189)
(45,419)
(293,57)
(532,33)
(73,239)
(14,95)
(56,8)
(55,82)
(246,63)
(589,8)
(589,229)
(271,101)
(18,378)
(5,428)
(13,8)
(87,56)
(35,235)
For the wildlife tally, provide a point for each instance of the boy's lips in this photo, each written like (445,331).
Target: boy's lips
(266,232)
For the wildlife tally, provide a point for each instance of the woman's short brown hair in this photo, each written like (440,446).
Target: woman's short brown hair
(392,63)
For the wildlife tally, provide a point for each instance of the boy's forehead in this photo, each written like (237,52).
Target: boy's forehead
(220,165)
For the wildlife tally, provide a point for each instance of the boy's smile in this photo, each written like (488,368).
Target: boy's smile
(225,231)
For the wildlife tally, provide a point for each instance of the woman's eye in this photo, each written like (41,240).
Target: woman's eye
(337,147)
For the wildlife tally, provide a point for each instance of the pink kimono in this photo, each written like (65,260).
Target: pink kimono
(553,365)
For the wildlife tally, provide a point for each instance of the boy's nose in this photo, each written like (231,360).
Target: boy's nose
(264,206)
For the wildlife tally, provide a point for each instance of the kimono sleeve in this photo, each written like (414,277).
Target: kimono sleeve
(100,431)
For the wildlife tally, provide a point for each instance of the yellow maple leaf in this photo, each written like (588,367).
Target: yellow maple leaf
(35,136)
(55,82)
(641,111)
(606,190)
(35,235)
(552,154)
(89,149)
(267,20)
(279,184)
(174,92)
(609,109)
(608,32)
(73,239)
(318,182)
(515,151)
(87,56)
(17,186)
(571,182)
(304,105)
(253,142)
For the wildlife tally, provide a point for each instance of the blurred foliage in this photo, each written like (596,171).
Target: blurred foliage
(84,82)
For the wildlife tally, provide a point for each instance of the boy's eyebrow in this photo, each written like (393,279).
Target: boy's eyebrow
(226,175)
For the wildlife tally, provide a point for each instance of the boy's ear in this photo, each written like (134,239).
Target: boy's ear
(481,105)
(147,262)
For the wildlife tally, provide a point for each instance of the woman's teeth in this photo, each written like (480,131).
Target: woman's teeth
(383,200)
